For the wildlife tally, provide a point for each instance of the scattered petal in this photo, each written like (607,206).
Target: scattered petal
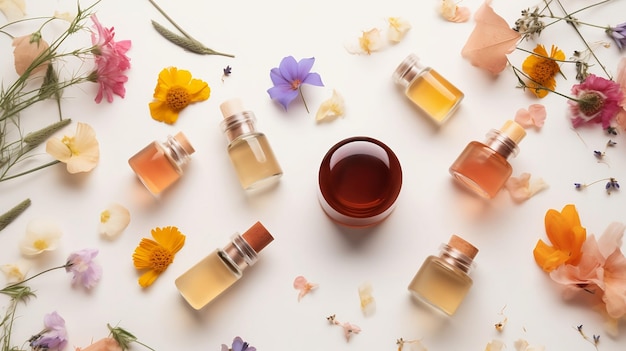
(368,304)
(495,345)
(105,344)
(535,116)
(453,13)
(349,329)
(331,109)
(80,152)
(522,345)
(303,285)
(41,235)
(15,272)
(368,42)
(521,189)
(113,220)
(398,27)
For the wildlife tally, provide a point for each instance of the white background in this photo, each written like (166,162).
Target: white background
(208,205)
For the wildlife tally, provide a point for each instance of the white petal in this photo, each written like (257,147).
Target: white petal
(15,272)
(13,9)
(113,221)
(41,235)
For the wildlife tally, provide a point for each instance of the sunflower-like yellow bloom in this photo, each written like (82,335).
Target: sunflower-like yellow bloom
(175,90)
(156,255)
(542,69)
(567,237)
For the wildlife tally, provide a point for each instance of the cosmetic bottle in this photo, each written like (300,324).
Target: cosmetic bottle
(359,181)
(427,89)
(160,164)
(483,167)
(249,150)
(218,271)
(443,281)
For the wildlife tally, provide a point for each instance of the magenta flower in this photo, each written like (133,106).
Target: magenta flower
(86,272)
(618,34)
(596,100)
(111,62)
(54,335)
(288,78)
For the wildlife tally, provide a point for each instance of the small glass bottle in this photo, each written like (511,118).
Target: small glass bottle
(249,150)
(160,164)
(217,272)
(443,281)
(483,167)
(359,181)
(427,89)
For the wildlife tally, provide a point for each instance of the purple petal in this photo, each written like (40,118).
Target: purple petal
(284,95)
(313,79)
(289,69)
(277,78)
(304,67)
(86,271)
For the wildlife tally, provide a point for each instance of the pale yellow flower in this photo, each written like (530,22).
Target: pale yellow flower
(398,27)
(331,108)
(13,10)
(15,272)
(80,152)
(453,13)
(66,16)
(368,304)
(113,220)
(41,235)
(371,41)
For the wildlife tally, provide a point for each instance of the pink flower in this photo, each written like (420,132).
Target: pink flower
(86,271)
(303,285)
(105,344)
(29,48)
(111,62)
(602,266)
(621,80)
(597,100)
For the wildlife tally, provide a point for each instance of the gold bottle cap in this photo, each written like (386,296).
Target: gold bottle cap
(231,107)
(257,237)
(514,131)
(182,140)
(463,246)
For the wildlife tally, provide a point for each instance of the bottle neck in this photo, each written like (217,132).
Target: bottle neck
(408,70)
(239,254)
(175,152)
(456,258)
(239,124)
(500,143)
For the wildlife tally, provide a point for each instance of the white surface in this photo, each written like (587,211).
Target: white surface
(208,205)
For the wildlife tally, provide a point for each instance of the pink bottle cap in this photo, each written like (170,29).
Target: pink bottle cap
(182,140)
(257,237)
(463,246)
(514,131)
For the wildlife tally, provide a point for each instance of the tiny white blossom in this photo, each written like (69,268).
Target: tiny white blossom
(15,272)
(113,220)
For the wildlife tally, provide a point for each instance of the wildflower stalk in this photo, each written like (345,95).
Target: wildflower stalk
(13,213)
(125,338)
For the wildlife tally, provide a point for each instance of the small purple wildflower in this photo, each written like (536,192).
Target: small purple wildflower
(54,335)
(618,34)
(612,184)
(238,345)
(86,271)
(288,78)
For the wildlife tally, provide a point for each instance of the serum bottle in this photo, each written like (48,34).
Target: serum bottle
(483,167)
(427,89)
(443,281)
(221,269)
(249,150)
(160,164)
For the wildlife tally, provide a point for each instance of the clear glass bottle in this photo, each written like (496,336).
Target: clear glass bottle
(443,281)
(483,167)
(359,182)
(427,89)
(217,272)
(249,150)
(160,164)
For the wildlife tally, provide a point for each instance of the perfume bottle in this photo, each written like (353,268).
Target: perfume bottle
(221,269)
(160,164)
(427,89)
(249,150)
(359,181)
(483,167)
(443,281)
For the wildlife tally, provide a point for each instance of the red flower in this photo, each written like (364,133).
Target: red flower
(597,100)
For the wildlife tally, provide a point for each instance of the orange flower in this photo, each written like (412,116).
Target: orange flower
(542,69)
(567,237)
(157,255)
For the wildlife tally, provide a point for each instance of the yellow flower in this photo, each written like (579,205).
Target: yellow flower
(175,90)
(80,152)
(567,237)
(542,69)
(156,255)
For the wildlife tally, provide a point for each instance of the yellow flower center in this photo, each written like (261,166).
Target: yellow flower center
(177,98)
(40,244)
(544,70)
(69,142)
(105,216)
(160,258)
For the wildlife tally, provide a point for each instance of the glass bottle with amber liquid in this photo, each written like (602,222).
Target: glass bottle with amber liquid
(249,150)
(443,281)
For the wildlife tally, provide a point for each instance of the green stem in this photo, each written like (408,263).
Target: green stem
(33,277)
(30,171)
(170,20)
(303,100)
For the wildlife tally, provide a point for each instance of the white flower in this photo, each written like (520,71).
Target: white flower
(368,42)
(368,304)
(522,189)
(15,272)
(330,109)
(113,221)
(13,9)
(41,235)
(80,152)
(398,27)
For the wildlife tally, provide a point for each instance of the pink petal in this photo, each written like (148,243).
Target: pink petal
(535,116)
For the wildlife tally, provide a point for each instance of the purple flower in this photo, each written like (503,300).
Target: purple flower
(288,78)
(54,335)
(238,345)
(596,100)
(618,33)
(86,271)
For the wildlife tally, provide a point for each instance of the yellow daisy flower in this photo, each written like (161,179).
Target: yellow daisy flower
(175,90)
(542,69)
(156,255)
